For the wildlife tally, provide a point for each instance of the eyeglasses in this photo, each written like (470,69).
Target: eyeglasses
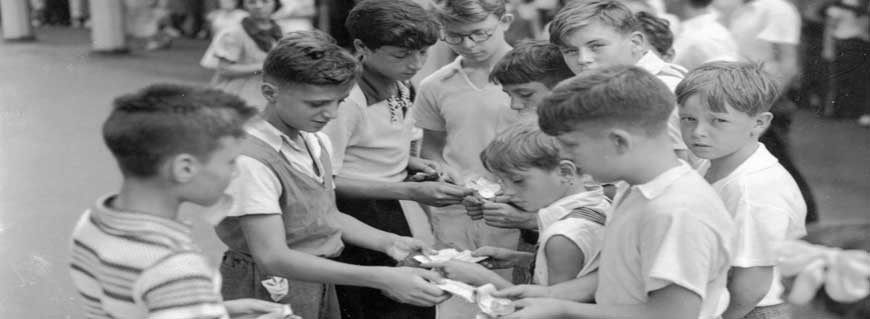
(476,36)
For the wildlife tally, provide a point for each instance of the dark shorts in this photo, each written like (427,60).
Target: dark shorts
(780,311)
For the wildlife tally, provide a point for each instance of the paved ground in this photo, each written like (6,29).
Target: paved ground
(54,94)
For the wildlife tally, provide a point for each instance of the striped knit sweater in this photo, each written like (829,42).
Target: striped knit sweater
(134,265)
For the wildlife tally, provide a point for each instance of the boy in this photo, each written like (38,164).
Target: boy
(724,108)
(284,221)
(131,255)
(701,38)
(371,141)
(528,73)
(601,33)
(571,211)
(460,111)
(658,34)
(667,243)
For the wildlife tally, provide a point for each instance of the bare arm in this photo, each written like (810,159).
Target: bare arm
(564,260)
(672,301)
(428,193)
(746,289)
(231,69)
(433,145)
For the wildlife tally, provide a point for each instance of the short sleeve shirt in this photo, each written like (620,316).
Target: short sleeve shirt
(758,24)
(767,207)
(671,75)
(672,230)
(371,142)
(703,39)
(471,116)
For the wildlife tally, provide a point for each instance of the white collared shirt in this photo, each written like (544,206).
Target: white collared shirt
(703,39)
(257,184)
(767,207)
(672,230)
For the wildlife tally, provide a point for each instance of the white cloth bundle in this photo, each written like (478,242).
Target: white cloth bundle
(844,273)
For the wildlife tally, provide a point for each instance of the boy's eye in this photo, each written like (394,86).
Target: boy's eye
(569,51)
(720,120)
(687,118)
(525,95)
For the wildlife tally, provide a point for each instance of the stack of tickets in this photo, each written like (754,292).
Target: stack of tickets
(489,306)
(448,254)
(484,187)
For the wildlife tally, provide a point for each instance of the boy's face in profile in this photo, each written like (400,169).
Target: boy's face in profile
(598,45)
(213,175)
(533,188)
(395,63)
(715,135)
(526,97)
(307,107)
(489,34)
(592,151)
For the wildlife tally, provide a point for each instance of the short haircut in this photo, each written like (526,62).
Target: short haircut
(310,57)
(531,61)
(399,23)
(457,12)
(744,86)
(657,31)
(578,14)
(520,148)
(162,120)
(624,96)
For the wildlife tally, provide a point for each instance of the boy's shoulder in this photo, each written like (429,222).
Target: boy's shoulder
(761,178)
(682,192)
(443,74)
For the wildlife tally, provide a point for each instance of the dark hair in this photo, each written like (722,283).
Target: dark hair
(519,148)
(744,86)
(578,14)
(399,23)
(657,31)
(531,61)
(699,3)
(453,12)
(147,127)
(625,96)
(310,57)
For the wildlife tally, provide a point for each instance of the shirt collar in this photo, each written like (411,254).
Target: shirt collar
(651,62)
(761,159)
(270,134)
(453,68)
(141,225)
(659,184)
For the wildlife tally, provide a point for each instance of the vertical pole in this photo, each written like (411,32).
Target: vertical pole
(16,20)
(107,26)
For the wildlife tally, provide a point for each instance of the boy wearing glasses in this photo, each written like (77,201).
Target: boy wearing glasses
(460,112)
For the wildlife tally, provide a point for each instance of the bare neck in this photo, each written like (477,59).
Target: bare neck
(146,197)
(651,158)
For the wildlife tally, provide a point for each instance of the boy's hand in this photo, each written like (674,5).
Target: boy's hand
(502,257)
(524,291)
(254,308)
(431,168)
(538,308)
(503,215)
(469,273)
(473,207)
(399,247)
(413,286)
(438,194)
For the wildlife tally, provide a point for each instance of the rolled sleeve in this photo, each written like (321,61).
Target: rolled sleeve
(255,189)
(677,249)
(759,229)
(343,132)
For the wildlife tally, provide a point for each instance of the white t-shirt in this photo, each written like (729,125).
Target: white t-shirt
(758,24)
(767,207)
(471,116)
(257,184)
(370,142)
(703,39)
(585,232)
(673,230)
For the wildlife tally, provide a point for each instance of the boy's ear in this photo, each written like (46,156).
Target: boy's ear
(567,169)
(269,91)
(762,122)
(359,47)
(183,168)
(621,140)
(638,43)
(507,19)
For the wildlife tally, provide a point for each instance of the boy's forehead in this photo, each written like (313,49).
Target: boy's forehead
(531,86)
(592,30)
(307,91)
(490,22)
